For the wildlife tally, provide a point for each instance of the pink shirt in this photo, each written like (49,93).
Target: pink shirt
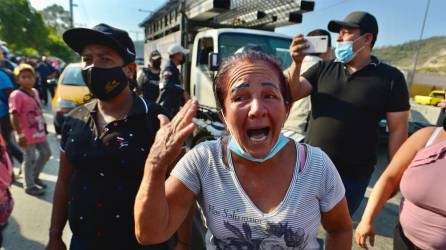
(5,171)
(30,115)
(423,208)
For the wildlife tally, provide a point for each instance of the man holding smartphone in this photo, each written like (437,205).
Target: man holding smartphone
(349,96)
(297,123)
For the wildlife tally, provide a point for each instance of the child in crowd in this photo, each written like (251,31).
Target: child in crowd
(29,124)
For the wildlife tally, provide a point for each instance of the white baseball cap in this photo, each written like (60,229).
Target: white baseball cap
(176,48)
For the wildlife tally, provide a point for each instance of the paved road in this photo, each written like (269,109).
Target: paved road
(28,226)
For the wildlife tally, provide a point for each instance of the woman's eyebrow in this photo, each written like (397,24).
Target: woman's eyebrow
(270,84)
(240,86)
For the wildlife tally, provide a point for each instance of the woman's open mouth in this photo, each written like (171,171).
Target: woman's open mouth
(258,135)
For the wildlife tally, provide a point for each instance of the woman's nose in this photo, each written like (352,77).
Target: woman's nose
(257,108)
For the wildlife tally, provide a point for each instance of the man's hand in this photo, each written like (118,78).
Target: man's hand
(56,244)
(297,46)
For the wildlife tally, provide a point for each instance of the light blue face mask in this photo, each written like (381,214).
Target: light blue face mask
(344,51)
(234,147)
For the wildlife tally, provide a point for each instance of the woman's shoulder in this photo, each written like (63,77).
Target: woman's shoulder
(419,139)
(207,147)
(316,159)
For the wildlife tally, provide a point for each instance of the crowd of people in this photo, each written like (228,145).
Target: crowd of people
(299,152)
(23,93)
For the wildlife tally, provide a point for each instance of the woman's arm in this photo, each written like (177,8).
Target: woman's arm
(388,183)
(161,206)
(15,123)
(338,224)
(59,214)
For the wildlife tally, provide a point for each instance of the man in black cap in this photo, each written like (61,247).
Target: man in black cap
(349,96)
(148,78)
(104,146)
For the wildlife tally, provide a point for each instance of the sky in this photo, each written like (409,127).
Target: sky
(399,20)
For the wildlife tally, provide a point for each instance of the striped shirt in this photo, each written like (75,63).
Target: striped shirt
(234,221)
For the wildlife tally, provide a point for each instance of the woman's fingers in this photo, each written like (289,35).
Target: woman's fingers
(372,239)
(189,114)
(164,120)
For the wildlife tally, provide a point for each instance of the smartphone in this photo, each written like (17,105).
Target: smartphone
(317,44)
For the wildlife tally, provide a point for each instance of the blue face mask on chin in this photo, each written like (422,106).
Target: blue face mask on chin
(344,51)
(235,147)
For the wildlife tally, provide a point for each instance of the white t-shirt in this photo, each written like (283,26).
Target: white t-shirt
(232,218)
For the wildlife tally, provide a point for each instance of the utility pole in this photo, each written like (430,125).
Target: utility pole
(71,13)
(414,67)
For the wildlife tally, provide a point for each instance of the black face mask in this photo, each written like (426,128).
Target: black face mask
(156,65)
(105,84)
(183,59)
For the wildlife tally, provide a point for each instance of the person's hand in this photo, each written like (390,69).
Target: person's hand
(22,140)
(298,44)
(56,244)
(363,231)
(171,136)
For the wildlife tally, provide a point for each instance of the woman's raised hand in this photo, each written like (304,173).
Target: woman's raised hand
(171,137)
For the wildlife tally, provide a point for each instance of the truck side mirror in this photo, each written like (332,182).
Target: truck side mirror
(214,61)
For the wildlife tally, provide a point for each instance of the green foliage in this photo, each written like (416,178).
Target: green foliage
(25,31)
(56,17)
(431,58)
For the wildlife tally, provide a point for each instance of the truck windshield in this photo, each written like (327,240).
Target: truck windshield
(275,46)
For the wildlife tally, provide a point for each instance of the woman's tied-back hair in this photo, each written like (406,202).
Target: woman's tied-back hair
(220,81)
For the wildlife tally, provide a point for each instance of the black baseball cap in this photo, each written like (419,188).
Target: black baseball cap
(361,20)
(155,55)
(102,34)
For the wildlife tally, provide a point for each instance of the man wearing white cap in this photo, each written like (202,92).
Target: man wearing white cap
(172,95)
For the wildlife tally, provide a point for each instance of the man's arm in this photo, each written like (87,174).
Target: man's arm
(299,86)
(59,214)
(398,124)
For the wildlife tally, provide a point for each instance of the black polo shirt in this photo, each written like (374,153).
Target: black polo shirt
(346,109)
(108,168)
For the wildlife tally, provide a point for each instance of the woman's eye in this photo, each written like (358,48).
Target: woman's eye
(239,98)
(269,96)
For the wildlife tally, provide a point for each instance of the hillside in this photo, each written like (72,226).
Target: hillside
(432,57)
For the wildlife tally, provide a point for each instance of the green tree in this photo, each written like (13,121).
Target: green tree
(25,31)
(21,26)
(56,17)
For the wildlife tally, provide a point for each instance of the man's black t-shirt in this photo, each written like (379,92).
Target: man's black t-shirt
(108,168)
(346,110)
